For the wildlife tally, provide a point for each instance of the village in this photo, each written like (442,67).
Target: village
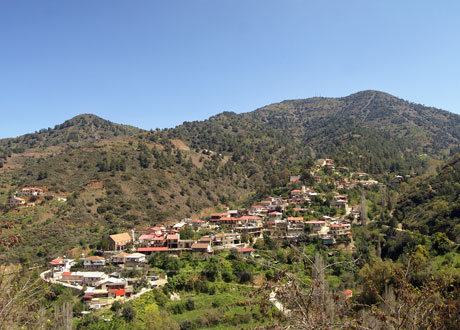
(109,275)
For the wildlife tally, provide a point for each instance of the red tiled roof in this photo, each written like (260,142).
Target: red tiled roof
(57,262)
(347,292)
(152,249)
(146,237)
(241,250)
(172,237)
(66,273)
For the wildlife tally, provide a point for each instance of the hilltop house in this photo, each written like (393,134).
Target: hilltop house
(16,201)
(29,192)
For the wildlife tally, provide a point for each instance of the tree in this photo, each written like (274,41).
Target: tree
(441,244)
(154,319)
(363,208)
(128,313)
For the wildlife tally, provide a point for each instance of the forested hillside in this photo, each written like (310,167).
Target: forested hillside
(73,132)
(433,205)
(116,176)
(370,131)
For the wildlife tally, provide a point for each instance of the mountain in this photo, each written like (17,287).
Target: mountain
(370,130)
(117,177)
(73,132)
(433,205)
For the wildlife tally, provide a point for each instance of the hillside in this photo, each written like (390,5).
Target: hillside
(73,132)
(117,177)
(371,131)
(434,205)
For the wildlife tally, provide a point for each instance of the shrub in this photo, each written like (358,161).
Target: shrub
(190,305)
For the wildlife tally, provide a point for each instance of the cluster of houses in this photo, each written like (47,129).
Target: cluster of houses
(23,195)
(27,196)
(228,230)
(99,288)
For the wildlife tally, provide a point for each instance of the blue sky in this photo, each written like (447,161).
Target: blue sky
(158,63)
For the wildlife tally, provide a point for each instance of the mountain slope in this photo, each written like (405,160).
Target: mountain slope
(118,177)
(434,204)
(370,131)
(73,132)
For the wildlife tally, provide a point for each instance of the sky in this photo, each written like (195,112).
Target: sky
(155,64)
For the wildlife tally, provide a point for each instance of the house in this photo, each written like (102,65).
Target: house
(119,258)
(266,203)
(146,239)
(186,244)
(205,239)
(294,178)
(340,230)
(296,193)
(295,220)
(180,225)
(172,241)
(226,239)
(156,231)
(252,230)
(135,259)
(16,201)
(195,223)
(94,262)
(340,201)
(275,215)
(119,241)
(257,209)
(57,263)
(228,221)
(202,248)
(245,252)
(316,225)
(83,278)
(29,192)
(150,250)
(216,216)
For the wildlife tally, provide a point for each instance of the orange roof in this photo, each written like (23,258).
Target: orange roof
(241,250)
(315,221)
(295,219)
(95,258)
(173,237)
(228,219)
(57,262)
(120,237)
(152,249)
